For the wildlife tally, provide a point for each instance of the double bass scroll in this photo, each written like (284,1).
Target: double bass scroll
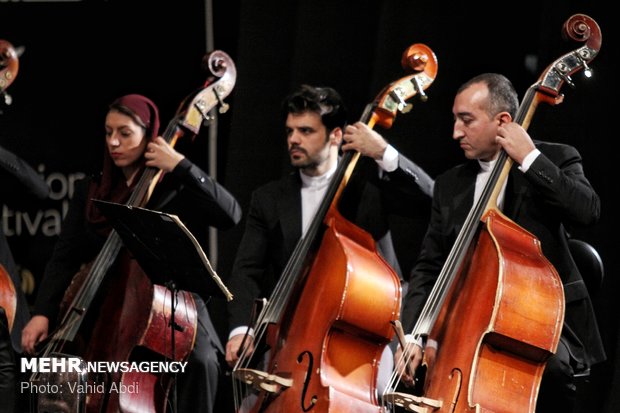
(9,66)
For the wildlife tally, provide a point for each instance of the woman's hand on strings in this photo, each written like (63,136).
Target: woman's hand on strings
(161,155)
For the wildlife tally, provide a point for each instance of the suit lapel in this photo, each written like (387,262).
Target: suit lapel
(464,195)
(515,190)
(289,210)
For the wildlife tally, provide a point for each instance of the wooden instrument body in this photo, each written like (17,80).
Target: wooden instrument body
(502,320)
(337,329)
(8,296)
(133,325)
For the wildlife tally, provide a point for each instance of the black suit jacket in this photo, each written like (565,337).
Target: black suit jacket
(552,194)
(273,224)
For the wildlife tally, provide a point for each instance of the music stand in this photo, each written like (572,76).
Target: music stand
(167,252)
(165,249)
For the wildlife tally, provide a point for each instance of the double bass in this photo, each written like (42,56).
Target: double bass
(133,322)
(497,307)
(327,321)
(9,66)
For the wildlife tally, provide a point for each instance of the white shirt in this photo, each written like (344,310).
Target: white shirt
(313,190)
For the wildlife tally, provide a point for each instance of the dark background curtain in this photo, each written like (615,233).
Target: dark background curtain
(81,55)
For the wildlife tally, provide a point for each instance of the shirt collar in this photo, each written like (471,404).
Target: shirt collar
(317,181)
(486,166)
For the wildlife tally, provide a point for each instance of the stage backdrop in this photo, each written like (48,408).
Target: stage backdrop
(80,55)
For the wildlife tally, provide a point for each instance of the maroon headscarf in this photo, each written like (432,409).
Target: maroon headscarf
(112,186)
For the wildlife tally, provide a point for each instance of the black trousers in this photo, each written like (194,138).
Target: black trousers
(557,388)
(197,387)
(8,374)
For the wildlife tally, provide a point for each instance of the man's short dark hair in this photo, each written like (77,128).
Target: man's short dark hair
(502,94)
(323,101)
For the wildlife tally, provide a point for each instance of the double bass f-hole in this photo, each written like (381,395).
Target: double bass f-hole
(307,407)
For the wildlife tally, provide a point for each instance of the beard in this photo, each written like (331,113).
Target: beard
(309,160)
(300,158)
(304,162)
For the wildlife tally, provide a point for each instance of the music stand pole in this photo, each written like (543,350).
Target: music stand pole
(171,286)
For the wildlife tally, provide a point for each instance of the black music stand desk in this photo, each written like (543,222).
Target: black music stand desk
(165,249)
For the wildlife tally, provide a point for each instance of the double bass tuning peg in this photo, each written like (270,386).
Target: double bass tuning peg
(578,58)
(562,70)
(397,95)
(223,106)
(584,55)
(418,87)
(403,106)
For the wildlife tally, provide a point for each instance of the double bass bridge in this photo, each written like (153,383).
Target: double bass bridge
(411,403)
(262,381)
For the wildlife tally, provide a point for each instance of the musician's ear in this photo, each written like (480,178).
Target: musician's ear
(503,117)
(335,136)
